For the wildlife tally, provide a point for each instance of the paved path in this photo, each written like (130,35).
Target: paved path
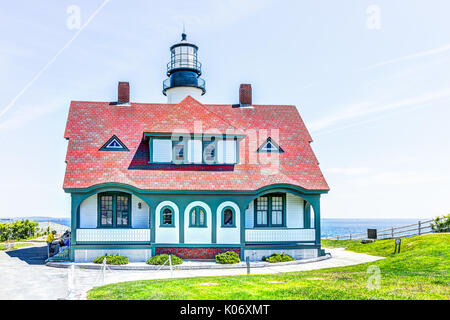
(23,277)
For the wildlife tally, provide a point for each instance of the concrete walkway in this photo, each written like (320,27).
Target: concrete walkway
(24,278)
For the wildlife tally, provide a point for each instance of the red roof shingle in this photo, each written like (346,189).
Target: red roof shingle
(91,124)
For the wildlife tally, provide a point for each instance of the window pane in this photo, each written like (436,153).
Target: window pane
(193,217)
(226,151)
(178,152)
(167,216)
(262,206)
(228,217)
(195,151)
(209,152)
(106,210)
(201,217)
(261,217)
(277,217)
(122,214)
(277,203)
(262,203)
(162,150)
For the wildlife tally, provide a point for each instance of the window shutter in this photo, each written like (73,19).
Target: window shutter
(195,151)
(226,151)
(162,150)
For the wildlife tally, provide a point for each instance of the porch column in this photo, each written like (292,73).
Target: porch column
(307,215)
(74,217)
(315,202)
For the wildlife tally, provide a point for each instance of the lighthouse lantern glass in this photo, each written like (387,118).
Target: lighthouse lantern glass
(184,56)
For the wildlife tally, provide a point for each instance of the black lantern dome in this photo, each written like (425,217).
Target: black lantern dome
(184,69)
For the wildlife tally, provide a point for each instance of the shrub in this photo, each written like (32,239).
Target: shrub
(229,257)
(441,224)
(276,257)
(114,259)
(17,230)
(162,258)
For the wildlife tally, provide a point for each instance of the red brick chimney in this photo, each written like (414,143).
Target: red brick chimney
(245,94)
(123,92)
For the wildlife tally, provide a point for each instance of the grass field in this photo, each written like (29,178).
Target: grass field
(16,245)
(420,271)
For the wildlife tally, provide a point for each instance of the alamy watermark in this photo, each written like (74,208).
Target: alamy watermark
(373,21)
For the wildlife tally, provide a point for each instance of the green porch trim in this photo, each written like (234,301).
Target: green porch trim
(216,192)
(307,215)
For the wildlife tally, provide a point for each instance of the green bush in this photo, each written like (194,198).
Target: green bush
(162,258)
(114,259)
(441,224)
(276,257)
(17,230)
(229,257)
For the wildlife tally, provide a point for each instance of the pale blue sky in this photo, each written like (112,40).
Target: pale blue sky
(376,101)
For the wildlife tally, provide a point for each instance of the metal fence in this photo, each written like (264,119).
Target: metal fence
(419,228)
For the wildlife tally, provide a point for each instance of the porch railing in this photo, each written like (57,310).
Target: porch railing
(279,235)
(113,235)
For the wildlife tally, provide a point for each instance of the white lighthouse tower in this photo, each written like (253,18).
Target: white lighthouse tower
(184,71)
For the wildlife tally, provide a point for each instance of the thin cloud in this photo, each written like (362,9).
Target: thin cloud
(410,57)
(38,75)
(369,109)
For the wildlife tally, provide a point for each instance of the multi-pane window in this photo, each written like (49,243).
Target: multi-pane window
(122,211)
(114,209)
(106,210)
(270,211)
(228,217)
(277,211)
(198,217)
(262,210)
(167,219)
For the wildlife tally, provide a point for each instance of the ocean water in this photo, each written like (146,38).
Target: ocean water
(340,227)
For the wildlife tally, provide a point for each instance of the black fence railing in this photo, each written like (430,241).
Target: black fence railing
(419,228)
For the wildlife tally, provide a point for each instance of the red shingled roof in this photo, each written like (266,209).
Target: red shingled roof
(91,124)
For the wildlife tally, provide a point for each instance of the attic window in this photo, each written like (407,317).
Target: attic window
(270,146)
(114,144)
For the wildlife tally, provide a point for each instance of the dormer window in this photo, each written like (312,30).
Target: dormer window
(114,144)
(270,146)
(209,150)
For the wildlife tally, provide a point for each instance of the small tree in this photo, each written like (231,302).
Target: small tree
(441,224)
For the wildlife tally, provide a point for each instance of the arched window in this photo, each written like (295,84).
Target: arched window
(167,217)
(197,217)
(228,217)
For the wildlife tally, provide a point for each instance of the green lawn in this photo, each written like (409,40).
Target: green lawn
(420,271)
(16,245)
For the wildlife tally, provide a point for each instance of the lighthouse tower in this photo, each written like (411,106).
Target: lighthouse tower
(184,71)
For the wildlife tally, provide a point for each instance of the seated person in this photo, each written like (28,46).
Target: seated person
(50,239)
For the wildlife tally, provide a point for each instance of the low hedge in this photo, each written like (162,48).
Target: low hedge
(229,257)
(114,259)
(276,257)
(162,258)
